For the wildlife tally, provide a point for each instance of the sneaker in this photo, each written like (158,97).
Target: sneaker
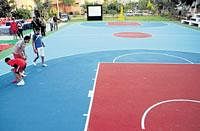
(23,74)
(34,63)
(21,83)
(44,65)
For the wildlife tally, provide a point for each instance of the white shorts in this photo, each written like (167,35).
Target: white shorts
(40,51)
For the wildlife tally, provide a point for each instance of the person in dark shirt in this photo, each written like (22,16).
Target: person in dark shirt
(20,30)
(43,26)
(55,21)
(34,24)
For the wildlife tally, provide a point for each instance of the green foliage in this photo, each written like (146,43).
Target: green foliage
(114,6)
(150,6)
(12,4)
(147,18)
(5,8)
(21,13)
(43,8)
(112,12)
(130,6)
(142,4)
(68,2)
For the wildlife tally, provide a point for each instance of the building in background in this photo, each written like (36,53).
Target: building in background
(65,8)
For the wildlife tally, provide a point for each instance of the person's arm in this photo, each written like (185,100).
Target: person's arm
(43,44)
(42,41)
(16,68)
(33,44)
(24,54)
(22,48)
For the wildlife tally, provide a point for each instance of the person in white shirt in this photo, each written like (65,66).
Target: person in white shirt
(19,48)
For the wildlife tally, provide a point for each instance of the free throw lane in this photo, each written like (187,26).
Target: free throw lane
(150,97)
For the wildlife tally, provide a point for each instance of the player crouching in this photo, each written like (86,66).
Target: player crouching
(19,65)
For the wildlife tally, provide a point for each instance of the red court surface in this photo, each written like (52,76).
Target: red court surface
(149,97)
(123,24)
(132,35)
(4,46)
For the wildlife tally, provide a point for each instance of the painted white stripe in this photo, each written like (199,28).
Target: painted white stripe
(163,102)
(182,58)
(91,100)
(90,93)
(85,115)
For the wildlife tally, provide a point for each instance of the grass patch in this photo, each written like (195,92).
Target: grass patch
(148,18)
(5,53)
(12,42)
(127,18)
(26,32)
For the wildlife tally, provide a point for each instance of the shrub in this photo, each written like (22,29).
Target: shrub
(21,13)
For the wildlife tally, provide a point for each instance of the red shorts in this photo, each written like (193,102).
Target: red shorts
(18,56)
(21,69)
(13,32)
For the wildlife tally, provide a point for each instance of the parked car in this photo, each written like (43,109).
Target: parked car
(138,13)
(129,13)
(64,17)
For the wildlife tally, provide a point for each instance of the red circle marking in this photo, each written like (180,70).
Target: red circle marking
(132,35)
(4,46)
(123,24)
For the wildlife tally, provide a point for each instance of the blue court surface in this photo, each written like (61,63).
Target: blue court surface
(56,98)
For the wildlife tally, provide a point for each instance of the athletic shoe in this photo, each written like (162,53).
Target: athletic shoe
(23,74)
(44,65)
(34,63)
(21,83)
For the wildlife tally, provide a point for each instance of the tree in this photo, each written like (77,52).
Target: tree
(114,6)
(42,8)
(150,6)
(105,6)
(142,4)
(21,13)
(12,4)
(130,6)
(84,6)
(5,8)
(68,2)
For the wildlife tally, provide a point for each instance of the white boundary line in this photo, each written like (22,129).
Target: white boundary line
(114,60)
(91,100)
(162,102)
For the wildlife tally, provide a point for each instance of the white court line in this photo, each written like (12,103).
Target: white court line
(85,115)
(90,93)
(91,100)
(118,57)
(163,102)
